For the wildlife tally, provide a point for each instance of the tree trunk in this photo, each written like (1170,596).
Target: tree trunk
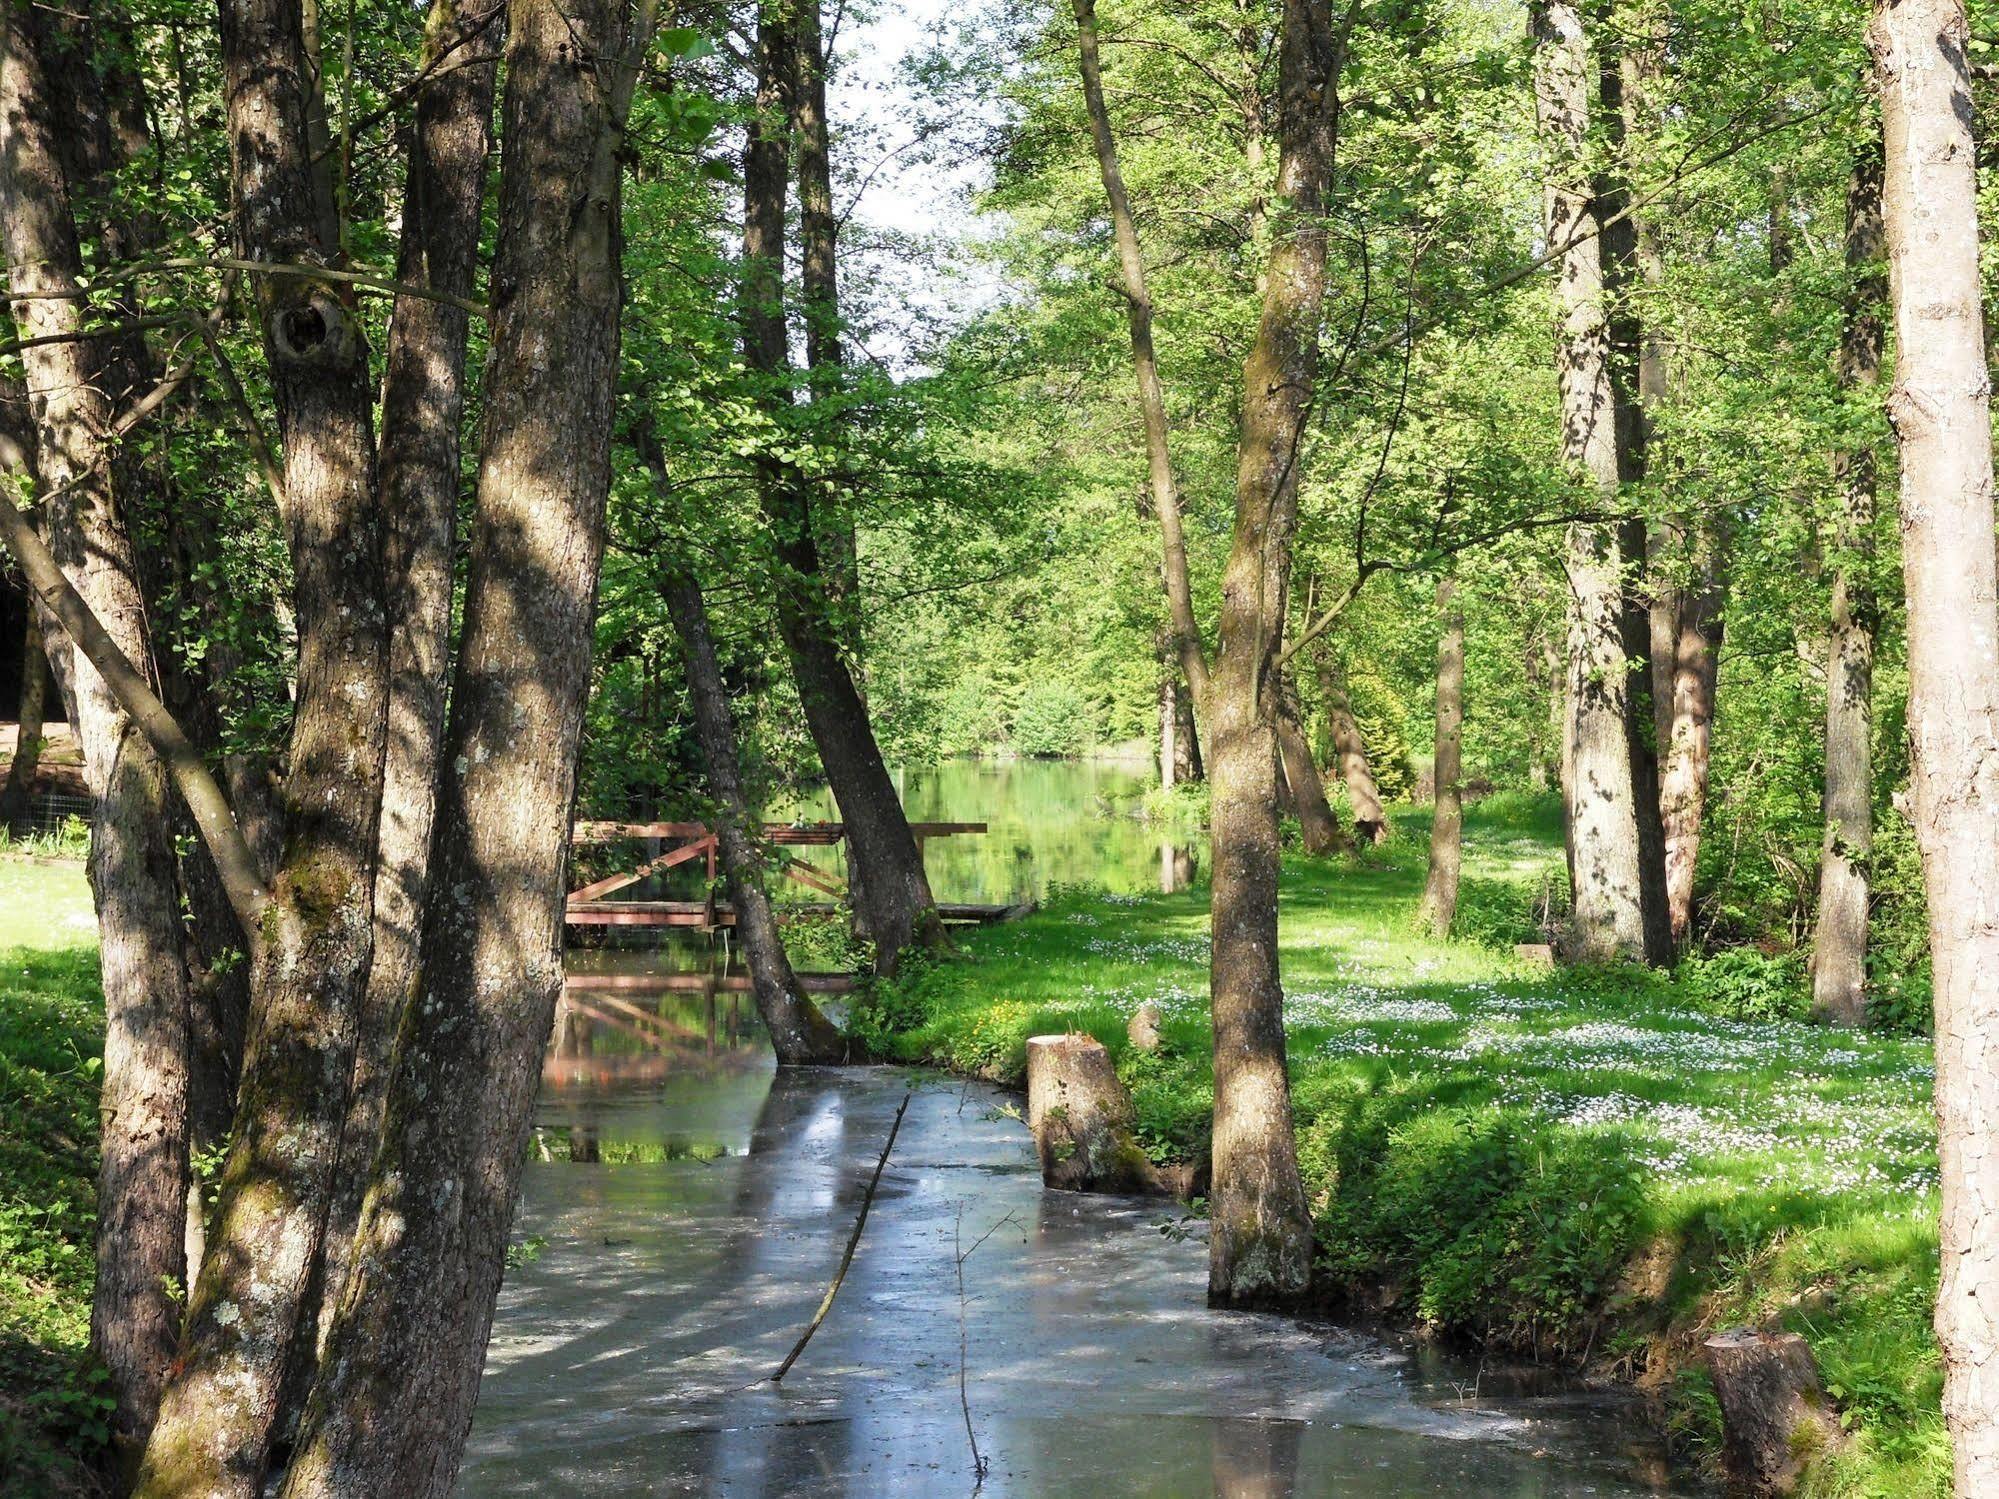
(1186,631)
(1774,1408)
(1308,794)
(1941,413)
(1082,1119)
(819,279)
(893,906)
(142,1180)
(1169,730)
(1440,891)
(22,768)
(1260,1242)
(799,1033)
(1370,823)
(396,1389)
(222,1419)
(1606,861)
(423,403)
(1839,947)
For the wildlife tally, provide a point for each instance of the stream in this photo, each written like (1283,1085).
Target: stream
(686,1205)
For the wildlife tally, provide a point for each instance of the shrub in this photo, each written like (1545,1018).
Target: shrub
(1053,719)
(1742,983)
(1497,913)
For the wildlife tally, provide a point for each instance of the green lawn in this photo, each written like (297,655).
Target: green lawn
(1598,1168)
(51,1045)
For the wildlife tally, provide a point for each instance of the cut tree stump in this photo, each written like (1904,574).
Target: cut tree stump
(1774,1409)
(1082,1119)
(1143,1029)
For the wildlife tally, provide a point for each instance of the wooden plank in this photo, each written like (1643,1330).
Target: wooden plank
(695,913)
(651,867)
(806,875)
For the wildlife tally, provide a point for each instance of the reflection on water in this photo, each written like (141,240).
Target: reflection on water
(1049,822)
(688,1227)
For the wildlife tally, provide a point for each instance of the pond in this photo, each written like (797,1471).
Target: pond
(685,1206)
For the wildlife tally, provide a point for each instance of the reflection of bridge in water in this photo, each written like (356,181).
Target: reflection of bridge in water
(593,905)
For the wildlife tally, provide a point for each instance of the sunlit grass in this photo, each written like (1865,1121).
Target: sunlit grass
(1559,1162)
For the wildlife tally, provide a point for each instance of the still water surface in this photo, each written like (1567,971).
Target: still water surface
(686,1205)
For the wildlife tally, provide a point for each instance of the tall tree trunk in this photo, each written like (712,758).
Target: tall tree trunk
(1440,891)
(893,906)
(1260,1243)
(799,1033)
(1605,859)
(1696,661)
(222,1418)
(1169,729)
(1941,413)
(423,404)
(1839,946)
(1186,630)
(819,279)
(396,1389)
(1370,823)
(142,1181)
(21,770)
(1308,793)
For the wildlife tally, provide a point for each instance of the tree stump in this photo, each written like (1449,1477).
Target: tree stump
(1774,1409)
(1143,1029)
(1082,1118)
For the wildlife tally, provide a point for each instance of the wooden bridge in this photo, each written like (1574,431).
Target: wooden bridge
(594,904)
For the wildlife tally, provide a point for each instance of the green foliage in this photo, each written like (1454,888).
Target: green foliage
(1497,913)
(1742,983)
(1052,718)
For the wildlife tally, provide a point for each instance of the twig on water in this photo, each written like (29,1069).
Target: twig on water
(853,1242)
(980,1466)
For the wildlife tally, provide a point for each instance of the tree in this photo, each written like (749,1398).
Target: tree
(1440,889)
(1601,791)
(1940,410)
(1839,946)
(893,905)
(1260,1244)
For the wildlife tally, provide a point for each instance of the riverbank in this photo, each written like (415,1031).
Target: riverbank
(1598,1169)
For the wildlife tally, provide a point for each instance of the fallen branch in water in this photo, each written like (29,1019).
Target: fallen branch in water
(980,1465)
(853,1242)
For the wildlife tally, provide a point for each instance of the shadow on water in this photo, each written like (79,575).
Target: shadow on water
(686,1205)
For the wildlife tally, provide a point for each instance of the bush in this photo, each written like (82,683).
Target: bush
(1053,719)
(1497,913)
(1742,983)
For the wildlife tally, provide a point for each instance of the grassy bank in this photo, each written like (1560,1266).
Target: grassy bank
(51,1049)
(1597,1169)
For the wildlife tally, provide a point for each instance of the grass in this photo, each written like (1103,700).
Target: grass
(51,1051)
(1597,1168)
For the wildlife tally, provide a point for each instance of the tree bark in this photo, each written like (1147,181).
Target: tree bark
(893,906)
(1940,409)
(143,1176)
(1440,891)
(819,279)
(21,770)
(222,1419)
(1186,630)
(1839,946)
(1308,793)
(423,404)
(1082,1119)
(396,1389)
(1260,1242)
(799,1033)
(1607,866)
(1370,823)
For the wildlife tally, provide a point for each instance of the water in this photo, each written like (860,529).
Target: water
(1048,822)
(686,1205)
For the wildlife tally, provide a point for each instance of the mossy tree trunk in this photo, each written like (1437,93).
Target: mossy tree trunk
(1260,1244)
